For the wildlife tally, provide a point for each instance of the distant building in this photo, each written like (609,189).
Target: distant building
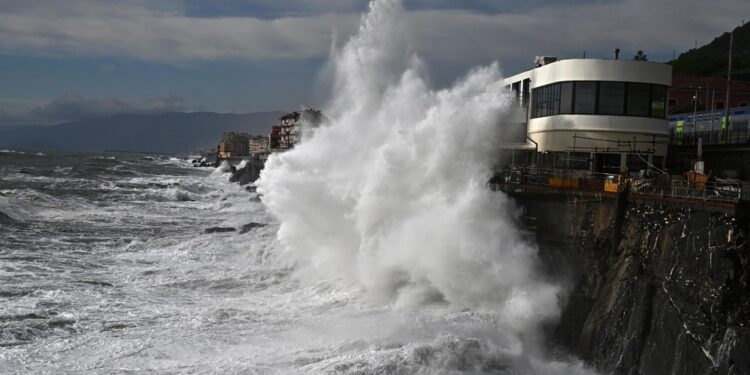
(291,127)
(594,114)
(258,144)
(233,145)
(274,138)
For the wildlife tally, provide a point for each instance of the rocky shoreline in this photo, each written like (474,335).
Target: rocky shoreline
(662,289)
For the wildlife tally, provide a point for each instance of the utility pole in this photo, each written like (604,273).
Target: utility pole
(695,113)
(713,110)
(705,112)
(725,126)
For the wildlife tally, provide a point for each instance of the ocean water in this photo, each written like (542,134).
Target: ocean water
(380,249)
(105,267)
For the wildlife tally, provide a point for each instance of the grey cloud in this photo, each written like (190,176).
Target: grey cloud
(631,25)
(135,31)
(74,106)
(139,30)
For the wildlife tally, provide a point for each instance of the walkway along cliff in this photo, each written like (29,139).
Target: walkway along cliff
(657,285)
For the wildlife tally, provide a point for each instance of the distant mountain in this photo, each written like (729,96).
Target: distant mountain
(712,59)
(167,132)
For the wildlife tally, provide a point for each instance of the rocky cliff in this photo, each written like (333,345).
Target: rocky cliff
(654,289)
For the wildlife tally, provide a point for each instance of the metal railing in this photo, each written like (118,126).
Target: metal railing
(659,185)
(723,191)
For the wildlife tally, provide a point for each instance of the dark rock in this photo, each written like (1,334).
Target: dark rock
(219,230)
(669,295)
(115,326)
(247,174)
(5,219)
(248,227)
(5,318)
(59,323)
(97,283)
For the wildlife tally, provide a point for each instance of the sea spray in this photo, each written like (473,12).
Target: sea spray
(391,194)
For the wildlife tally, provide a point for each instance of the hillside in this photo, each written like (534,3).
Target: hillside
(711,59)
(167,132)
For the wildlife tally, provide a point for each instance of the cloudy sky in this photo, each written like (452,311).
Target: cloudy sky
(65,60)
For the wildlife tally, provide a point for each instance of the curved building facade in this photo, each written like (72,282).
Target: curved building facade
(609,112)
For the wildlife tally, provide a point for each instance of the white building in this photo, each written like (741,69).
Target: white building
(602,114)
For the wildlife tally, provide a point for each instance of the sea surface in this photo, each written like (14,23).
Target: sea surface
(375,248)
(106,267)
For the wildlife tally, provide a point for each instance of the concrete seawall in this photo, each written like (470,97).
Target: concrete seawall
(655,287)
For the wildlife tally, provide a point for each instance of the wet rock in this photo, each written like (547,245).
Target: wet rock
(115,326)
(5,219)
(97,283)
(249,173)
(250,226)
(670,295)
(19,317)
(219,230)
(11,293)
(60,323)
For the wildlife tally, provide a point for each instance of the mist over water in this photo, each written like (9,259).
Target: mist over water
(388,200)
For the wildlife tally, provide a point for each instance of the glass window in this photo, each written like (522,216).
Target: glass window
(556,99)
(585,97)
(638,99)
(544,100)
(611,98)
(658,101)
(566,97)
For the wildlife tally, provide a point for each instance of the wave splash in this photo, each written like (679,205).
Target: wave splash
(391,195)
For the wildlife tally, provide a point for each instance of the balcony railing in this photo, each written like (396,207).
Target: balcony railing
(693,187)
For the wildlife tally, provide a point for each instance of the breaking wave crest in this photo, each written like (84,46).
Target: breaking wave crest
(390,196)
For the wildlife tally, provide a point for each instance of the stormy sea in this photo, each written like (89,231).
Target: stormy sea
(373,247)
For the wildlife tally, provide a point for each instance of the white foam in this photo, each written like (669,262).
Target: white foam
(391,194)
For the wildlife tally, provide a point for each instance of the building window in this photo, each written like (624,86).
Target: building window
(585,97)
(611,98)
(566,98)
(604,98)
(672,102)
(719,105)
(743,104)
(658,101)
(639,99)
(546,101)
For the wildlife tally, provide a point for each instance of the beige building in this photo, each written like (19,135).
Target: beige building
(607,113)
(258,144)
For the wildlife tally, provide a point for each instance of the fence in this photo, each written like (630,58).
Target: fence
(659,185)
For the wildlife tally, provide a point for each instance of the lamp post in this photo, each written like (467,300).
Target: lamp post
(695,111)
